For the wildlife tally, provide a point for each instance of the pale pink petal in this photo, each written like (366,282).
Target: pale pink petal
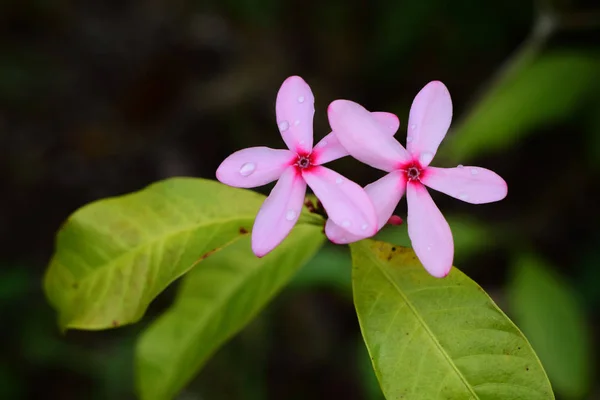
(385,194)
(363,136)
(389,122)
(330,148)
(429,120)
(295,108)
(346,203)
(255,166)
(471,184)
(428,231)
(279,212)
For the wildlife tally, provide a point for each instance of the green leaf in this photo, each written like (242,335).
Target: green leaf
(114,256)
(217,299)
(330,268)
(432,338)
(542,92)
(549,313)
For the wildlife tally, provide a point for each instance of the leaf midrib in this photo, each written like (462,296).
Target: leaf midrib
(251,274)
(150,243)
(427,330)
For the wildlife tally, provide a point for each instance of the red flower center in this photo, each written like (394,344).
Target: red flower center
(413,171)
(305,161)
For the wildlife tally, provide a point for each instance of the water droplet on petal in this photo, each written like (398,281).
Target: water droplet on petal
(301,99)
(460,166)
(346,224)
(426,157)
(474,171)
(284,126)
(413,127)
(247,169)
(428,248)
(364,227)
(297,122)
(323,143)
(463,196)
(290,215)
(409,139)
(339,180)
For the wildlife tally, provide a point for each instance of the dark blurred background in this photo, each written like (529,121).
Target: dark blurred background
(100,98)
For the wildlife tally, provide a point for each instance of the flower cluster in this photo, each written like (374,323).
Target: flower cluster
(355,213)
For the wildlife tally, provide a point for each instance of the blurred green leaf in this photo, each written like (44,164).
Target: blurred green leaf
(432,338)
(542,92)
(114,256)
(217,299)
(548,311)
(330,267)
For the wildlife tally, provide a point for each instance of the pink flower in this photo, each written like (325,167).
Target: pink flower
(346,203)
(409,172)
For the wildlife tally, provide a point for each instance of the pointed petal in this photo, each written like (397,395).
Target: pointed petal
(471,184)
(255,166)
(428,231)
(346,203)
(429,120)
(330,148)
(295,108)
(363,136)
(279,212)
(385,194)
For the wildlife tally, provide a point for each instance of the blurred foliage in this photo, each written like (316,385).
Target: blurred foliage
(549,313)
(103,98)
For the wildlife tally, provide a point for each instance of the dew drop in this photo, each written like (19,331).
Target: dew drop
(409,139)
(364,227)
(247,169)
(428,248)
(463,196)
(460,166)
(413,127)
(323,143)
(426,157)
(339,180)
(301,99)
(297,122)
(284,126)
(346,224)
(290,215)
(474,171)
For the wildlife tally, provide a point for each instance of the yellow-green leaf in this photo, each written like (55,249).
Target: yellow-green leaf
(432,338)
(217,299)
(114,256)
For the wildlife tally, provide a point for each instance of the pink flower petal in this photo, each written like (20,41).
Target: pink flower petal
(363,136)
(428,231)
(295,108)
(255,166)
(385,194)
(330,148)
(389,122)
(346,203)
(279,212)
(429,120)
(471,184)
